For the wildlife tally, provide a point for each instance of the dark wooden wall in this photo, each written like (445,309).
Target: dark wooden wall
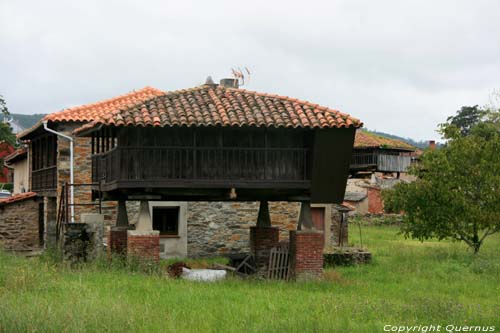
(331,159)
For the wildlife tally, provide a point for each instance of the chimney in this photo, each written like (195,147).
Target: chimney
(432,144)
(229,83)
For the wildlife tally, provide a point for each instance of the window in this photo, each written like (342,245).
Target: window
(166,220)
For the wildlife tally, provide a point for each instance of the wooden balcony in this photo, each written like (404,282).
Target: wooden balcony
(202,167)
(44,179)
(380,161)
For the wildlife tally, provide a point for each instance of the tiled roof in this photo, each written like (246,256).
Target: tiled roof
(211,105)
(17,198)
(89,112)
(365,139)
(17,153)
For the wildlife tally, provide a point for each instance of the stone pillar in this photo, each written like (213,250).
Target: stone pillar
(144,222)
(143,243)
(143,246)
(263,237)
(117,235)
(305,217)
(306,254)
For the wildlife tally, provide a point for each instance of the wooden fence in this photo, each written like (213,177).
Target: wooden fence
(279,262)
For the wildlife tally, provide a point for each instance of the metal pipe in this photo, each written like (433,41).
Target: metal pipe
(71,163)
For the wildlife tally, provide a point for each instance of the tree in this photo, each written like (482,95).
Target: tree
(3,107)
(457,191)
(465,118)
(5,129)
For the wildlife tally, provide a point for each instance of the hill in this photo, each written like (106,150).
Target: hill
(24,121)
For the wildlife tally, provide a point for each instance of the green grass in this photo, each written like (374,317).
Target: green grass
(409,283)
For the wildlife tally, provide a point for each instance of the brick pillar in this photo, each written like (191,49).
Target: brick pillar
(117,240)
(143,245)
(306,254)
(375,203)
(262,239)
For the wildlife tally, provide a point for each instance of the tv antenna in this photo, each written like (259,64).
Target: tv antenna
(242,75)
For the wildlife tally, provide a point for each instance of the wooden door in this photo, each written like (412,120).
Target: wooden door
(318,217)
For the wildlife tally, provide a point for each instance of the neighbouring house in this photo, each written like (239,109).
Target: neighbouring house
(375,153)
(5,150)
(48,157)
(377,162)
(21,225)
(19,166)
(278,130)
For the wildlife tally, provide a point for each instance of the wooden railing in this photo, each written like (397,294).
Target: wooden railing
(44,179)
(200,163)
(384,162)
(363,160)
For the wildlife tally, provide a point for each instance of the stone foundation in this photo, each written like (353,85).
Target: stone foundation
(306,254)
(262,240)
(143,246)
(347,256)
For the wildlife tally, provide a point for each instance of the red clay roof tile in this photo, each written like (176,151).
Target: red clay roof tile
(210,105)
(17,198)
(89,112)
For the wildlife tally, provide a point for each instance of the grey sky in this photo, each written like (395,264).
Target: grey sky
(400,66)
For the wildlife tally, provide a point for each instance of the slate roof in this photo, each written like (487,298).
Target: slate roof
(213,105)
(89,112)
(17,198)
(365,139)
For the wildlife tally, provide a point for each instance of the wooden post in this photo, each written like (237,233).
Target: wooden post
(305,217)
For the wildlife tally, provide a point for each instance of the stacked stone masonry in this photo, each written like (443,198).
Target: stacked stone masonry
(19,226)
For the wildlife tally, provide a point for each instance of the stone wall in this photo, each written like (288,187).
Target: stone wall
(50,220)
(19,226)
(219,228)
(82,173)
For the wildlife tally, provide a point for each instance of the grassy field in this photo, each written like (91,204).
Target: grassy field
(409,283)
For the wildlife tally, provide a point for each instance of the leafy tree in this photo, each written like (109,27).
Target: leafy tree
(3,107)
(5,129)
(465,118)
(457,192)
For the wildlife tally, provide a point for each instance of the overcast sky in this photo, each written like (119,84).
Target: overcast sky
(400,66)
